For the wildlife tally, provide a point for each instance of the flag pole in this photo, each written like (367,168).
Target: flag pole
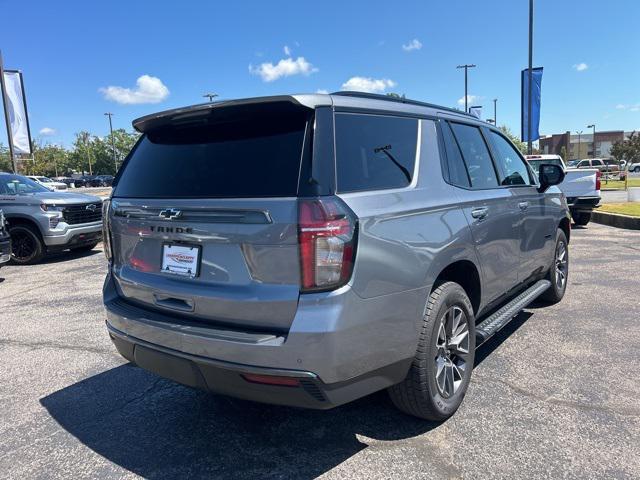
(5,104)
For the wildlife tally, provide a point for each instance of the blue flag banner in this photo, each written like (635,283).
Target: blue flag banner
(536,93)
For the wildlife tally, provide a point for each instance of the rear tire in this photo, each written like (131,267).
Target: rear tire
(85,248)
(27,246)
(582,218)
(558,271)
(441,370)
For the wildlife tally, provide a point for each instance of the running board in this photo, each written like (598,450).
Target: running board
(494,322)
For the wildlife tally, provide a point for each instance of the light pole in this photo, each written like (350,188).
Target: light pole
(579,144)
(594,138)
(495,108)
(530,80)
(466,67)
(210,96)
(113,143)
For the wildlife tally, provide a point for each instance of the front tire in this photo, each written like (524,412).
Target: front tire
(27,247)
(558,271)
(441,370)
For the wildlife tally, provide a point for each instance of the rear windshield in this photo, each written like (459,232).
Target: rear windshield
(247,155)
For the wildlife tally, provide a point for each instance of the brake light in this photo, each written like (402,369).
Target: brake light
(598,175)
(327,238)
(106,226)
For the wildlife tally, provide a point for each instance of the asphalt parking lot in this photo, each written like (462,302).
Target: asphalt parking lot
(555,394)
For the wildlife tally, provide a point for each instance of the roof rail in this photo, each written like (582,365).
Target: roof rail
(377,96)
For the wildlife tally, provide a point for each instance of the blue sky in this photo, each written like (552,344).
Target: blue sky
(72,52)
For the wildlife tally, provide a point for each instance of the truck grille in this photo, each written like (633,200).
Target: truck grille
(82,213)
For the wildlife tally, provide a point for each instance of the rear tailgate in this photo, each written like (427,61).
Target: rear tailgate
(204,217)
(580,182)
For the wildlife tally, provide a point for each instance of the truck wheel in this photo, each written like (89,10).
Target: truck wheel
(27,247)
(582,218)
(441,370)
(558,271)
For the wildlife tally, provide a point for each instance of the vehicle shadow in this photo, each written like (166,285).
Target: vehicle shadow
(68,255)
(158,429)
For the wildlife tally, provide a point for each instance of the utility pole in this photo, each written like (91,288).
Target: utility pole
(579,145)
(5,103)
(466,67)
(210,96)
(530,75)
(594,139)
(113,143)
(495,108)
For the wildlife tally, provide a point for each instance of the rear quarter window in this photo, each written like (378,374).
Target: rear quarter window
(374,152)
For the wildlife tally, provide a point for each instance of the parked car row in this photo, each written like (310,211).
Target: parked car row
(87,181)
(605,166)
(40,221)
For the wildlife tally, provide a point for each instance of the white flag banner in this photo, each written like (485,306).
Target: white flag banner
(476,111)
(17,112)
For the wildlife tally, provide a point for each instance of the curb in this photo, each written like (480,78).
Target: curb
(616,220)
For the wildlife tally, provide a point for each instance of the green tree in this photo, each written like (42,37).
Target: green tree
(5,161)
(514,138)
(628,149)
(563,153)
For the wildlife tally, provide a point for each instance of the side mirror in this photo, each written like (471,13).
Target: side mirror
(549,175)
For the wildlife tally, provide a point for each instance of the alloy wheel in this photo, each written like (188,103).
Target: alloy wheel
(561,265)
(23,245)
(452,356)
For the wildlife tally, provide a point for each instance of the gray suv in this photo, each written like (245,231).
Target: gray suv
(41,221)
(308,250)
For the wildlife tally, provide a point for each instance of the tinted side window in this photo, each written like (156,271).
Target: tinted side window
(476,156)
(514,170)
(596,163)
(457,169)
(583,164)
(374,152)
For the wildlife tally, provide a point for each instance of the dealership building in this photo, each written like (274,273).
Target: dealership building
(581,145)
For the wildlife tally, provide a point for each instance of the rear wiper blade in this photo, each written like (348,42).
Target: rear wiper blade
(385,149)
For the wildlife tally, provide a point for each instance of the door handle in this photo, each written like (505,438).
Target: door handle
(479,213)
(523,205)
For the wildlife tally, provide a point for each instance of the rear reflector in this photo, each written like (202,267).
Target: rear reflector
(327,236)
(271,380)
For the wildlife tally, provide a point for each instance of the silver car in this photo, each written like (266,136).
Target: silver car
(308,250)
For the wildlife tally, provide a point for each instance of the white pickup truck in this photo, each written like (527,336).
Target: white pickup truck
(581,186)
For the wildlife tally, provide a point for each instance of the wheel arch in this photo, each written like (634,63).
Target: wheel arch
(22,220)
(466,274)
(565,226)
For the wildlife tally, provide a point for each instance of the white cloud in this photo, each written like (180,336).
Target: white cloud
(581,67)
(414,44)
(471,99)
(284,68)
(631,108)
(148,90)
(367,84)
(47,131)
(322,90)
(287,51)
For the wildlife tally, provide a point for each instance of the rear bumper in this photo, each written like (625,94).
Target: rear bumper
(342,346)
(227,378)
(74,237)
(5,250)
(583,203)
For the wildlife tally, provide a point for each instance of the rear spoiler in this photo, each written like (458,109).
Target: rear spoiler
(204,111)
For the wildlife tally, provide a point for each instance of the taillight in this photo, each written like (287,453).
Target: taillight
(327,238)
(106,222)
(598,175)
